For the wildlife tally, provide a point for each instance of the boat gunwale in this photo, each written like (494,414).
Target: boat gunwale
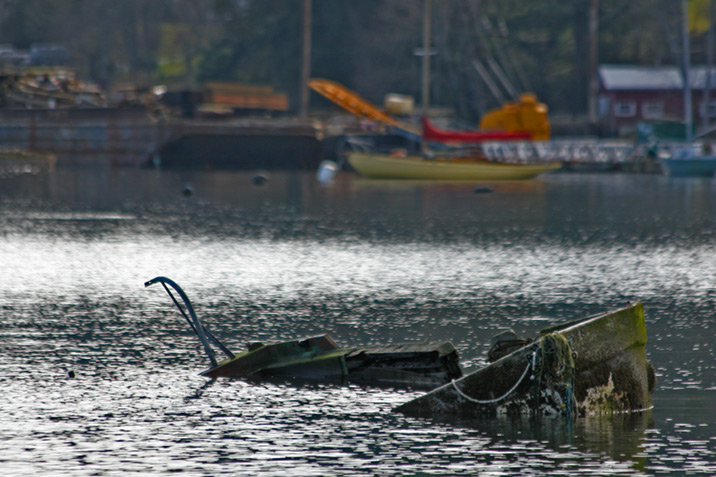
(386,166)
(446,401)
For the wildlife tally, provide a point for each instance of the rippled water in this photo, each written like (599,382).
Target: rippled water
(368,262)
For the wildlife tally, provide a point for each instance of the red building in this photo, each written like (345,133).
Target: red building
(631,94)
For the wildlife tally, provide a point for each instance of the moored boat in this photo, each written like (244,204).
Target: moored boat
(20,161)
(388,166)
(688,159)
(415,365)
(688,162)
(697,167)
(597,365)
(433,133)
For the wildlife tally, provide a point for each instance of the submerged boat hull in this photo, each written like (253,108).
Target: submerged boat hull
(413,365)
(593,366)
(384,166)
(420,365)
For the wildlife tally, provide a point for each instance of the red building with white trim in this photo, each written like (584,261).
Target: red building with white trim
(631,94)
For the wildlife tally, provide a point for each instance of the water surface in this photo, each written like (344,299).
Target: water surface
(368,262)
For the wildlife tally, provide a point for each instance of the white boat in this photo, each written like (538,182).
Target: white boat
(688,162)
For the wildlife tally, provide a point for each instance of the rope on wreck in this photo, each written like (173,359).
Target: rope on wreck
(504,396)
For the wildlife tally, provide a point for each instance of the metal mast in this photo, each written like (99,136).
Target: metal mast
(593,59)
(425,101)
(686,65)
(709,65)
(306,57)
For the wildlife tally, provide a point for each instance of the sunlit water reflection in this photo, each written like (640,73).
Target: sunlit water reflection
(367,262)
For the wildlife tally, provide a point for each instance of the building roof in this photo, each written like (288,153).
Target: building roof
(631,77)
(653,78)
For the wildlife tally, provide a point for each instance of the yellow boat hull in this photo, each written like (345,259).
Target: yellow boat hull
(384,166)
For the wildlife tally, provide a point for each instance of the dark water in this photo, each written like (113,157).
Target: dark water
(368,262)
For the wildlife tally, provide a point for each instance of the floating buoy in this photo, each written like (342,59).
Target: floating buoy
(327,171)
(188,190)
(71,374)
(259,179)
(482,190)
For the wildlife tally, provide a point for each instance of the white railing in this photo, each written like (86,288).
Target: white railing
(564,150)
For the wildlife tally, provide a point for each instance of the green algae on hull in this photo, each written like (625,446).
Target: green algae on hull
(610,373)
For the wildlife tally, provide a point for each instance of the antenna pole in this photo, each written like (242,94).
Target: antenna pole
(426,56)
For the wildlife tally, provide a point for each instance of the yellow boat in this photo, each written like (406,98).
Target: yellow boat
(387,166)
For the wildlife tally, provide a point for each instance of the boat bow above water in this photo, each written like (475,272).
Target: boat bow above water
(596,365)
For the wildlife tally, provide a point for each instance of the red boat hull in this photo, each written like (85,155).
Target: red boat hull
(431,133)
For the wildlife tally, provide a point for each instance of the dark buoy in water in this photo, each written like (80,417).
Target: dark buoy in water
(187,191)
(482,190)
(71,374)
(259,179)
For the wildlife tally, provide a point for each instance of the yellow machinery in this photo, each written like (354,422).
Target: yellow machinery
(350,101)
(525,115)
(353,103)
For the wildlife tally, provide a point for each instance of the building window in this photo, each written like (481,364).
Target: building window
(652,109)
(625,109)
(708,110)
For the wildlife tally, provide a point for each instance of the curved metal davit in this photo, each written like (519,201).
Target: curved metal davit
(201,331)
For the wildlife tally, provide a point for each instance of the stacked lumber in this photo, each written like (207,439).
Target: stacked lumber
(243,96)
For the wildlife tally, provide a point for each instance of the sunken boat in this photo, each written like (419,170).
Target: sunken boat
(424,365)
(596,365)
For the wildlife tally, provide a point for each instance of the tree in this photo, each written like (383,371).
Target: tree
(539,46)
